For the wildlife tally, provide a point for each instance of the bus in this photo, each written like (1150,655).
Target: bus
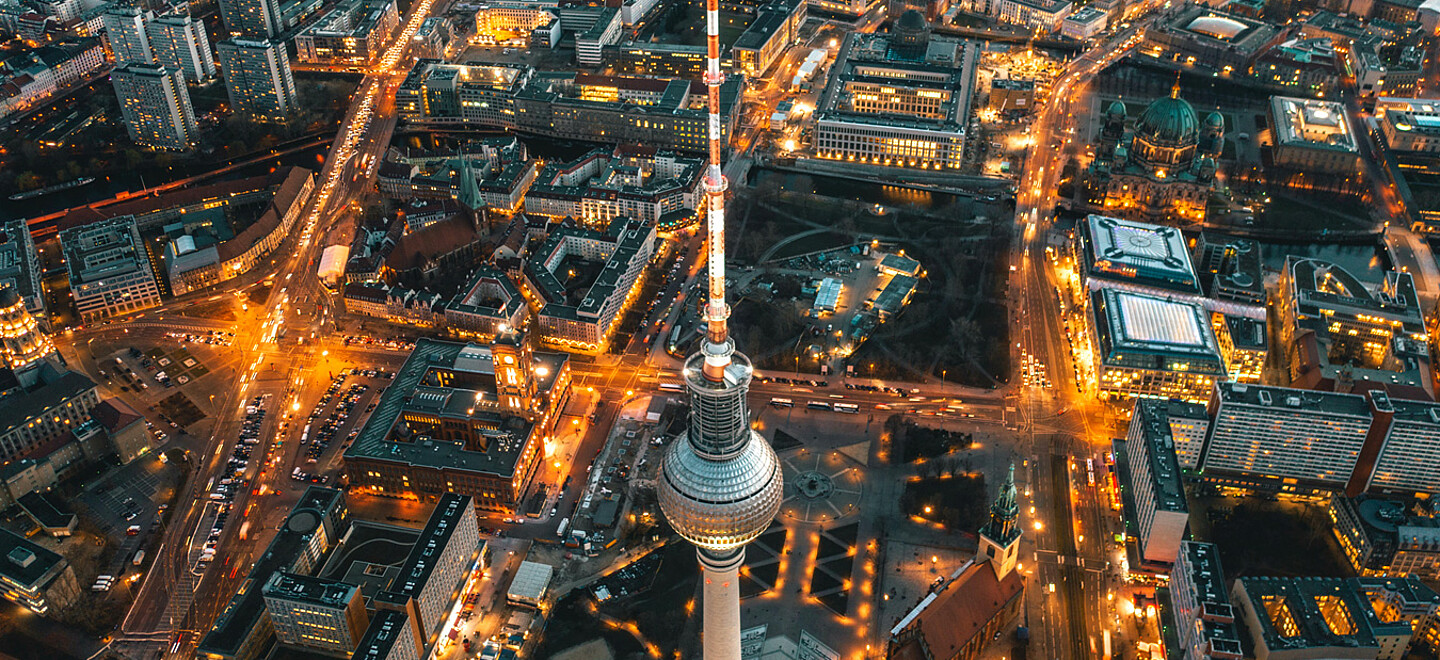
(671,387)
(560,531)
(782,403)
(819,405)
(848,408)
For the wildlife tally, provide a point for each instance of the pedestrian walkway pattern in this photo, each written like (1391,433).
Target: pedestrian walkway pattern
(761,571)
(830,579)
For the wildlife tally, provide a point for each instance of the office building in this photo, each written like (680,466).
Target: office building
(1315,617)
(35,578)
(1411,126)
(776,26)
(848,9)
(20,266)
(1408,461)
(462,418)
(900,100)
(129,40)
(974,604)
(1084,24)
(1339,335)
(252,19)
(1304,66)
(489,304)
(1204,619)
(1294,437)
(658,188)
(244,628)
(662,60)
(353,34)
(512,21)
(315,613)
(1156,513)
(110,270)
(179,41)
(156,106)
(1313,136)
(1145,345)
(1159,171)
(433,39)
(1386,537)
(389,637)
(1043,16)
(258,79)
(439,567)
(590,43)
(622,251)
(48,404)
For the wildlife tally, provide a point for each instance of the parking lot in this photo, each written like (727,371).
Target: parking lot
(127,504)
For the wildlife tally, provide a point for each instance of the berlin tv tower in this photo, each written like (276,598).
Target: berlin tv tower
(722,486)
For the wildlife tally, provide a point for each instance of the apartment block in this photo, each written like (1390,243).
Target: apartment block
(1204,618)
(156,106)
(441,563)
(1152,474)
(258,78)
(315,613)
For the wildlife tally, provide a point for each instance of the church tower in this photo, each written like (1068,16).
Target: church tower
(1000,538)
(514,373)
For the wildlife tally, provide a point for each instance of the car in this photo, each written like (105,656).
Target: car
(131,516)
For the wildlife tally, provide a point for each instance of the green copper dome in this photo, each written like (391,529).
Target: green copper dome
(1169,121)
(1117,110)
(1215,119)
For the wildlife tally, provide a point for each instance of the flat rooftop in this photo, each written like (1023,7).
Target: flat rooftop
(1127,251)
(1128,322)
(1153,415)
(433,540)
(311,590)
(25,563)
(1328,403)
(1312,124)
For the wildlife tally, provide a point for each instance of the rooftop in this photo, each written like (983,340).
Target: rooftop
(1129,323)
(531,581)
(1127,251)
(25,564)
(386,629)
(309,590)
(1153,418)
(433,540)
(1312,124)
(1328,403)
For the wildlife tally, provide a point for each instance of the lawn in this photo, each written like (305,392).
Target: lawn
(958,502)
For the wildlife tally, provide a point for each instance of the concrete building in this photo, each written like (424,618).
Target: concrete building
(389,637)
(1387,538)
(462,418)
(1150,475)
(1297,618)
(1144,345)
(1135,256)
(1044,16)
(445,558)
(1307,66)
(488,305)
(353,34)
(776,27)
(34,577)
(179,41)
(1410,125)
(1312,136)
(901,100)
(20,267)
(621,251)
(1339,335)
(1196,35)
(156,106)
(129,40)
(1084,24)
(659,188)
(662,60)
(605,31)
(1204,619)
(314,613)
(110,270)
(252,19)
(974,604)
(194,260)
(1291,437)
(507,21)
(36,414)
(258,78)
(244,628)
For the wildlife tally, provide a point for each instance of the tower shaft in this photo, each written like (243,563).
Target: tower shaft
(720,614)
(716,311)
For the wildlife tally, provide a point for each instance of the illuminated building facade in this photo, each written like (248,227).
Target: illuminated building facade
(258,78)
(622,251)
(35,578)
(252,19)
(1294,437)
(1340,335)
(505,20)
(659,188)
(439,566)
(1204,619)
(1308,66)
(489,305)
(776,27)
(156,106)
(315,613)
(662,60)
(1113,252)
(353,34)
(180,41)
(1149,346)
(1159,171)
(1410,125)
(462,418)
(901,100)
(1312,136)
(1198,36)
(1151,475)
(110,270)
(1382,537)
(1318,617)
(23,344)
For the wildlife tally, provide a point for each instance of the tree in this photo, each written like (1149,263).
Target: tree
(28,181)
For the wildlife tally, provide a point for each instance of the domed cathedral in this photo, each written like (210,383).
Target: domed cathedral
(1160,170)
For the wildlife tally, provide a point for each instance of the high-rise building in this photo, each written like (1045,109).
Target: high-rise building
(315,613)
(438,569)
(257,76)
(1293,436)
(720,487)
(180,42)
(129,41)
(255,19)
(1151,475)
(1204,618)
(156,106)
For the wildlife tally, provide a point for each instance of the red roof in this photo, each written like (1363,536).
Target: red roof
(114,414)
(961,611)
